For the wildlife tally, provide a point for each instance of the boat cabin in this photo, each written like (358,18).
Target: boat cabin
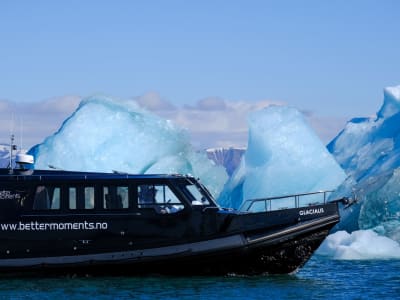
(59,192)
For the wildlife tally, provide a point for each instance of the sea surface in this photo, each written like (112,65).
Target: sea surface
(320,278)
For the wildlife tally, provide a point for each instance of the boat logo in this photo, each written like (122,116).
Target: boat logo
(6,195)
(311,211)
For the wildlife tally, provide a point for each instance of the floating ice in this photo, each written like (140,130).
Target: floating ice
(284,156)
(105,135)
(368,149)
(361,244)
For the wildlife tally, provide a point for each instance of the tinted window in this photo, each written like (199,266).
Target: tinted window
(160,198)
(55,198)
(196,196)
(72,197)
(89,197)
(123,194)
(47,198)
(115,197)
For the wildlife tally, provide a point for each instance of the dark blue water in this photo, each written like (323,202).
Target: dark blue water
(321,278)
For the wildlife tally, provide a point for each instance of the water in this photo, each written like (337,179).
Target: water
(321,278)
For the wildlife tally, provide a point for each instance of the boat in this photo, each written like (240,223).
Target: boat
(92,222)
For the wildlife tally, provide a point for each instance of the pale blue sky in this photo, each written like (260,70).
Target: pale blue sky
(329,57)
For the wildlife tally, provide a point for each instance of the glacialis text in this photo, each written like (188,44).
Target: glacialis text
(311,211)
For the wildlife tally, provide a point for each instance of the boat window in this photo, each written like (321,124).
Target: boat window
(55,199)
(106,197)
(47,198)
(160,198)
(123,194)
(115,197)
(196,196)
(72,197)
(89,197)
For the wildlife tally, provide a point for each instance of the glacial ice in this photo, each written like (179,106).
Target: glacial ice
(284,157)
(368,149)
(107,135)
(360,244)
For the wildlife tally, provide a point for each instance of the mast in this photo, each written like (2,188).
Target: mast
(12,148)
(11,153)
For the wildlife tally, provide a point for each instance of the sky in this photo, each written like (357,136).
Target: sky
(221,59)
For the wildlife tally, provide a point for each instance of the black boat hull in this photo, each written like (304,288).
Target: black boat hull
(276,252)
(166,224)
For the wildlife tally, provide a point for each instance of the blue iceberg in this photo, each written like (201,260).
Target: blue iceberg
(368,149)
(284,157)
(107,135)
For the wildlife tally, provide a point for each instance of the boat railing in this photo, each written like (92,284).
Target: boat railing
(285,202)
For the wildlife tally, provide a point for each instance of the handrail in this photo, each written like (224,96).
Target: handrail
(268,201)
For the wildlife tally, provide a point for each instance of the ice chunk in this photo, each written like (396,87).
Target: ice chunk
(391,102)
(284,156)
(361,244)
(104,134)
(368,149)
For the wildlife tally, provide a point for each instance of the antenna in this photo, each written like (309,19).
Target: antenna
(12,148)
(11,151)
(12,123)
(20,133)
(10,167)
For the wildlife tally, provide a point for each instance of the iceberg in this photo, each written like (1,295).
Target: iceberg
(4,155)
(368,149)
(284,157)
(359,245)
(106,135)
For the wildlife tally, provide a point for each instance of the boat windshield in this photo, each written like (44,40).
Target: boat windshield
(196,195)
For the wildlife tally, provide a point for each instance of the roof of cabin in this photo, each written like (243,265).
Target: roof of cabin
(61,174)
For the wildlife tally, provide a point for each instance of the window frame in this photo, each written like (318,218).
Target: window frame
(116,201)
(48,205)
(164,207)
